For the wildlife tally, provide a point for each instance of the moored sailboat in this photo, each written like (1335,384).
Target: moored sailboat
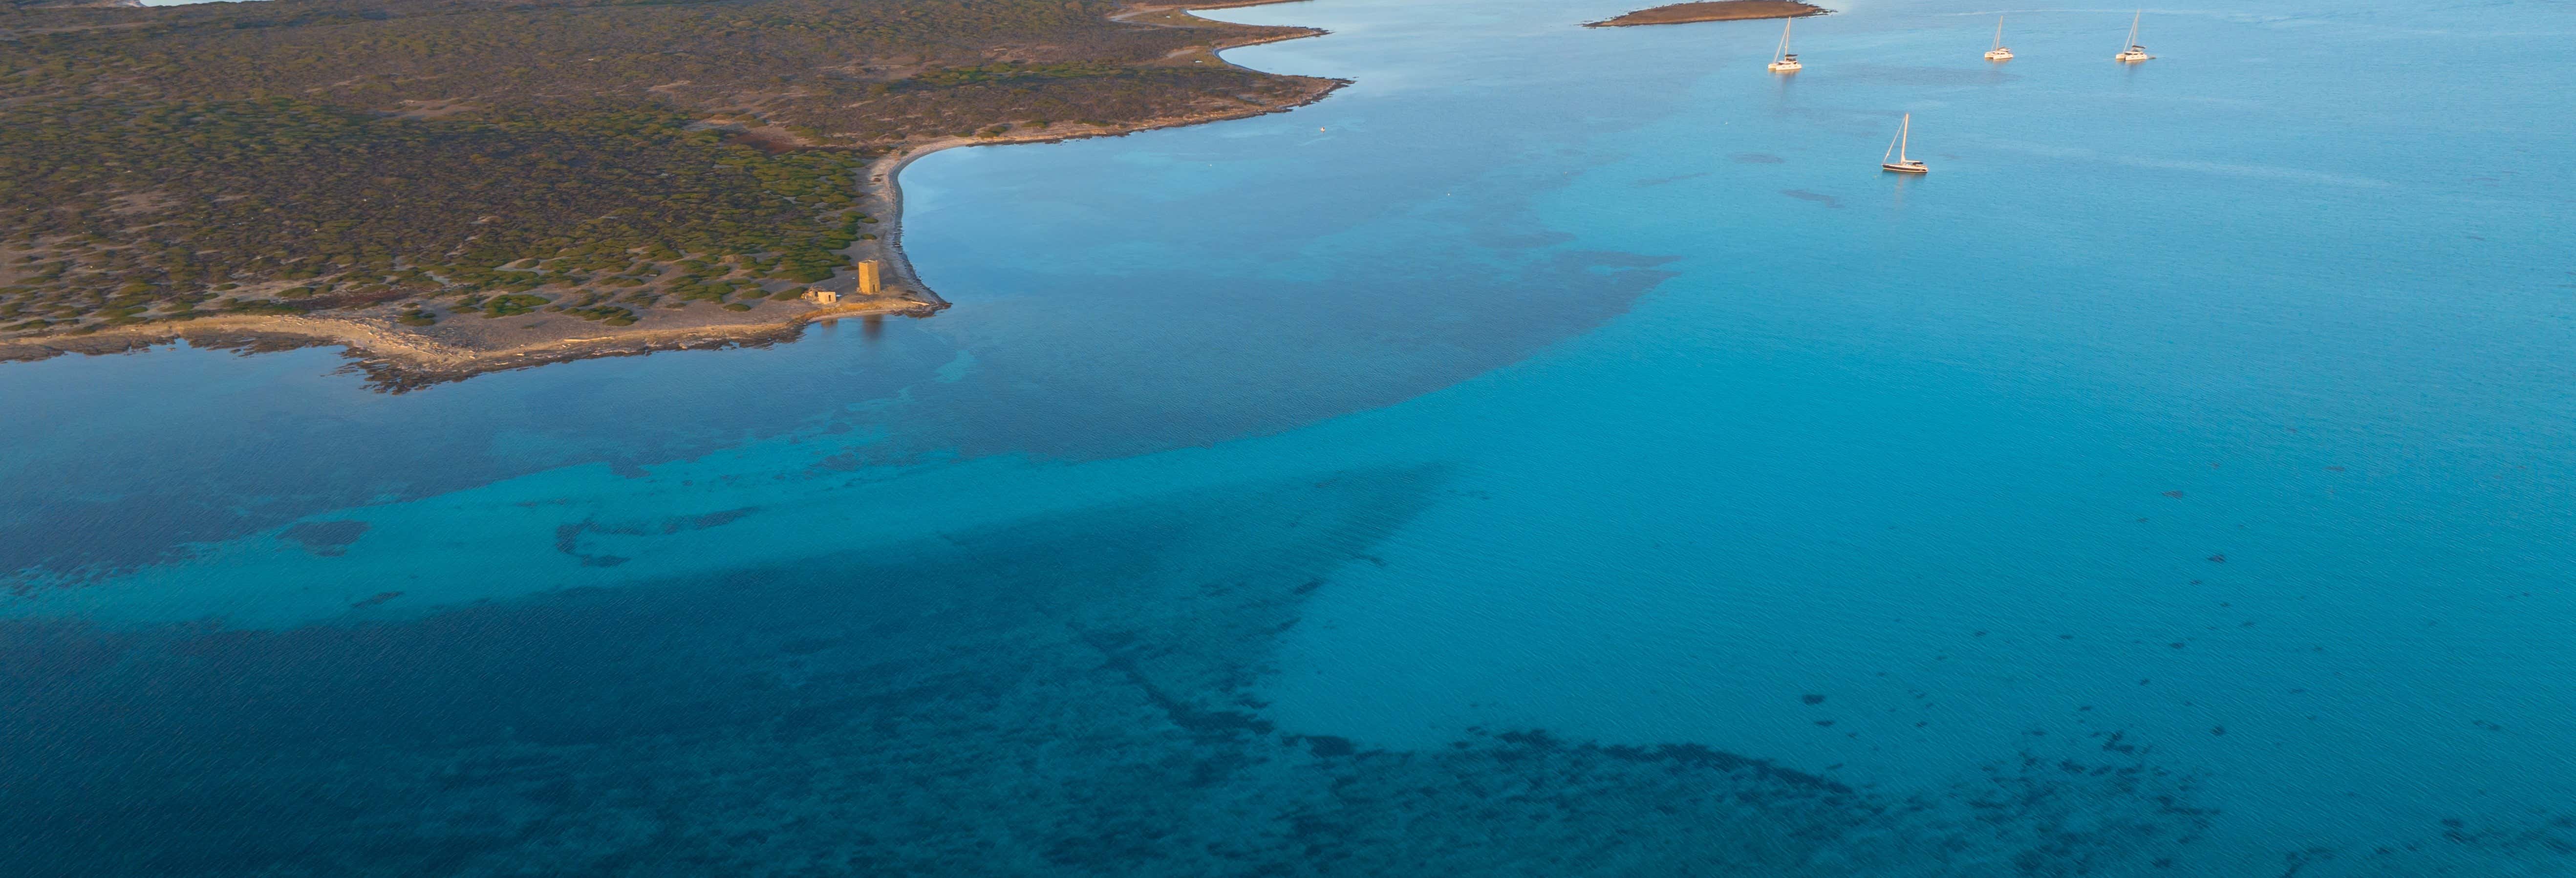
(2134,53)
(1895,159)
(1781,60)
(1999,53)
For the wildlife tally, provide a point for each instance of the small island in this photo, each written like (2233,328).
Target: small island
(1719,10)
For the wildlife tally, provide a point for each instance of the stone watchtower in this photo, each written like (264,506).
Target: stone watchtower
(871,280)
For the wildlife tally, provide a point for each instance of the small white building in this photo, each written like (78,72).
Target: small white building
(821,296)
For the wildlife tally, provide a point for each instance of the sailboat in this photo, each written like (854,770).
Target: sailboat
(1781,60)
(1999,53)
(1895,159)
(2134,53)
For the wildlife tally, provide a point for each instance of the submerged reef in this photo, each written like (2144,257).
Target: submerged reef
(1062,696)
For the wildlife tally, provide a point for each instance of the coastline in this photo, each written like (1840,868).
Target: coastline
(885,174)
(396,358)
(1712,10)
(886,199)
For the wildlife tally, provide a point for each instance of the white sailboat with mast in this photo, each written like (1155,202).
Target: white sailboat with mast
(2134,53)
(1895,159)
(1781,60)
(1999,53)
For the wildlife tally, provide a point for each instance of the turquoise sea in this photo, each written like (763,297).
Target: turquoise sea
(1561,452)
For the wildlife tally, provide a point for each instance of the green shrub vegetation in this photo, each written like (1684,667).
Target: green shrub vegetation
(388,208)
(505,156)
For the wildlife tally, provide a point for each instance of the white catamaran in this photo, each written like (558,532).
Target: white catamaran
(1895,159)
(1999,53)
(2134,53)
(1781,60)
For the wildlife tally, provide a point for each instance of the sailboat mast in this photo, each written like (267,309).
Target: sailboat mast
(1898,158)
(1999,31)
(1784,40)
(2133,29)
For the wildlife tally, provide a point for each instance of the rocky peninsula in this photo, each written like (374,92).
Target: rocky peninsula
(440,218)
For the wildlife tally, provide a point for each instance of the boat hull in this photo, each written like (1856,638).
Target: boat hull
(1786,68)
(1907,168)
(1999,55)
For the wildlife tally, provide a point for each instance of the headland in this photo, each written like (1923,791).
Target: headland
(824,175)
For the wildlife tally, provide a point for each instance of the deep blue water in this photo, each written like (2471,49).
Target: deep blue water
(1560,452)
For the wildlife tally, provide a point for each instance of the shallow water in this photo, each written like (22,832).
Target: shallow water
(1558,452)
